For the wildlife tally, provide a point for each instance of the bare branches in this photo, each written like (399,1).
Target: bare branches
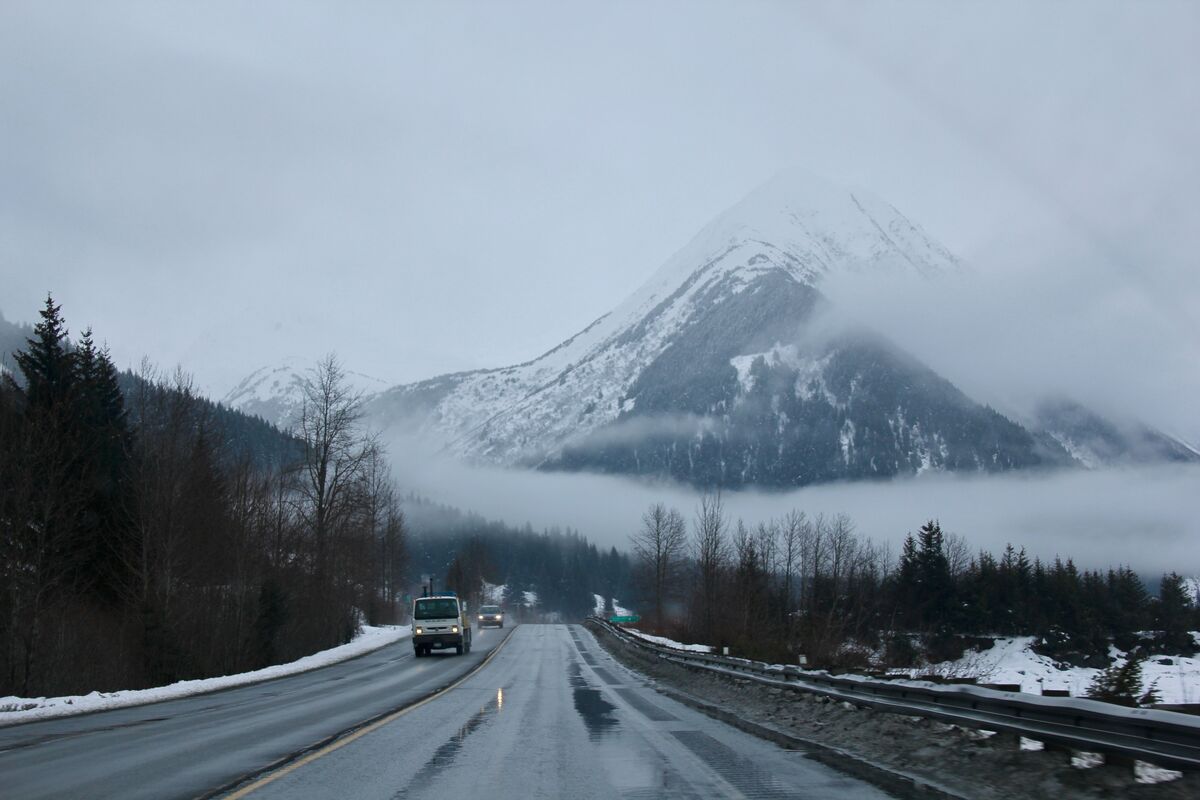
(659,546)
(711,552)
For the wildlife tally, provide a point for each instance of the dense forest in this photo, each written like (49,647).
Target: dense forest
(148,535)
(461,551)
(814,586)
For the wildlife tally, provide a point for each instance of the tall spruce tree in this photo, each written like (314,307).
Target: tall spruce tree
(1174,616)
(46,364)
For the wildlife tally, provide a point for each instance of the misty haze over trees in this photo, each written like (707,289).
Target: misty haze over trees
(148,535)
(813,586)
(561,567)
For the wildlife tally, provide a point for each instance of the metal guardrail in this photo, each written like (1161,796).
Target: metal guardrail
(1165,738)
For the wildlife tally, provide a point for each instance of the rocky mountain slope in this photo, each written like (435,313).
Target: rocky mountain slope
(1095,441)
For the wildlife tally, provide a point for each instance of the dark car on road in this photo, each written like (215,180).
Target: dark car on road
(491,615)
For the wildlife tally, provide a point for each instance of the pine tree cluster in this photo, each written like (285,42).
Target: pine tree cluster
(148,535)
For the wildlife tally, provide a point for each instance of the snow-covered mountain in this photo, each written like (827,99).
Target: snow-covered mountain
(276,393)
(720,370)
(713,371)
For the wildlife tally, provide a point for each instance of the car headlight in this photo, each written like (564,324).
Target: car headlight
(481,616)
(454,629)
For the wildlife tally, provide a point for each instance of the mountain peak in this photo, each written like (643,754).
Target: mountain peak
(818,227)
(276,393)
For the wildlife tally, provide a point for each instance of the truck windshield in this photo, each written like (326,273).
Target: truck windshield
(436,609)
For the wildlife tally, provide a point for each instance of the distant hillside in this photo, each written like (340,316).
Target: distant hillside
(12,339)
(243,435)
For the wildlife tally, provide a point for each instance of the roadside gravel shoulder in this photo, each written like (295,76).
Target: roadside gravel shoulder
(925,758)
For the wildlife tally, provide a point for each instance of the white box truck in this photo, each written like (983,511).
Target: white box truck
(440,622)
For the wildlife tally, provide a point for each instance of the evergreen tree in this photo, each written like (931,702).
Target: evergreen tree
(1129,604)
(937,585)
(1173,616)
(908,585)
(1120,683)
(46,364)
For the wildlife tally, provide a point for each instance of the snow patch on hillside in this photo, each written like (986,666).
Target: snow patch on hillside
(616,604)
(494,593)
(781,355)
(276,393)
(1081,453)
(1192,587)
(1012,660)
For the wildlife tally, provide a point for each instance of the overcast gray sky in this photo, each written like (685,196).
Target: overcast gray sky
(432,187)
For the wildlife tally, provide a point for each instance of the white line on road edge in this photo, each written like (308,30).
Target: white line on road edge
(271,777)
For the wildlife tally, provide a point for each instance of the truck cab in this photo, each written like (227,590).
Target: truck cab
(440,622)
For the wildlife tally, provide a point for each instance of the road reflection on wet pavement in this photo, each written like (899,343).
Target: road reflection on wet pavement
(554,716)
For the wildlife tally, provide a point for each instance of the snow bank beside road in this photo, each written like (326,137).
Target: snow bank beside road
(665,642)
(23,709)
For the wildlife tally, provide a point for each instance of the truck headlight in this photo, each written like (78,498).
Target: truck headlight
(418,631)
(454,629)
(481,616)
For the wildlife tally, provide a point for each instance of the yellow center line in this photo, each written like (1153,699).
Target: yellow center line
(271,777)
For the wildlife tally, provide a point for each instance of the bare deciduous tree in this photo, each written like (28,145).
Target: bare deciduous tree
(711,550)
(659,546)
(335,457)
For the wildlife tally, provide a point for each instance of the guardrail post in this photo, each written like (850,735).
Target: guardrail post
(1118,760)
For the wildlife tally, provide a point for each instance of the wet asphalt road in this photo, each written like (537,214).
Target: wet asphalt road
(186,748)
(552,715)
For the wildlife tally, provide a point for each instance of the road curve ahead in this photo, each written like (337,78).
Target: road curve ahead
(193,746)
(554,716)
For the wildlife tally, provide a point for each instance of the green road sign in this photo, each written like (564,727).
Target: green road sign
(623,620)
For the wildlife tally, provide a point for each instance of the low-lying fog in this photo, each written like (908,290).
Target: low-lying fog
(1144,517)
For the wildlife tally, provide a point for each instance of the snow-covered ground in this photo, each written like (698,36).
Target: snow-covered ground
(616,604)
(664,641)
(1012,660)
(22,709)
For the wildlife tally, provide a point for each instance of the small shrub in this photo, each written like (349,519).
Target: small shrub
(1121,684)
(899,651)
